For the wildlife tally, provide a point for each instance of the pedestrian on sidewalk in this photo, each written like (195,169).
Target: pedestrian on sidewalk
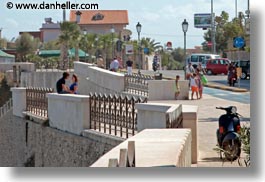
(129,64)
(199,76)
(194,85)
(189,71)
(177,87)
(114,65)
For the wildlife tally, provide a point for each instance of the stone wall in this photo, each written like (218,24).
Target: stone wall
(25,67)
(45,79)
(94,79)
(26,143)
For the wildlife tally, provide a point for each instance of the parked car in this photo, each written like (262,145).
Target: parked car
(245,65)
(217,66)
(195,59)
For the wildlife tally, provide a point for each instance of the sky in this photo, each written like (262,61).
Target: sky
(161,19)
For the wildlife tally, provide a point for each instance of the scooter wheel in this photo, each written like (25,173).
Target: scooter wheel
(232,149)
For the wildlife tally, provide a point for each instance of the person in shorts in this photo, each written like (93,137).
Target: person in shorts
(194,85)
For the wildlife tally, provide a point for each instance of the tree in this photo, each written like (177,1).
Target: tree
(26,44)
(3,43)
(151,44)
(70,32)
(225,31)
(51,45)
(88,43)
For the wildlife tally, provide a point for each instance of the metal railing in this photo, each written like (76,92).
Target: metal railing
(174,123)
(114,114)
(6,107)
(36,101)
(137,84)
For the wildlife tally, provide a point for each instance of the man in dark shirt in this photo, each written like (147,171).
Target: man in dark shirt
(60,85)
(129,64)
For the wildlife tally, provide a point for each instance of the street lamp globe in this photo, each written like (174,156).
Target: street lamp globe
(84,31)
(185,26)
(112,30)
(138,27)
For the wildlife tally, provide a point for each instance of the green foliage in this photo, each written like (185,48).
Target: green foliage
(151,44)
(225,31)
(26,44)
(51,45)
(3,43)
(245,140)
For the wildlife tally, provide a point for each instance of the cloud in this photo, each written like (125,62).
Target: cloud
(11,23)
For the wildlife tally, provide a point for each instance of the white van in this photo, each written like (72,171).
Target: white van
(195,59)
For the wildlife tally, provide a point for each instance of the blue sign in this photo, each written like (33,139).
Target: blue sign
(146,50)
(239,42)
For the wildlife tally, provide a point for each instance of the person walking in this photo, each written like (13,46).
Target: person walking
(129,64)
(194,85)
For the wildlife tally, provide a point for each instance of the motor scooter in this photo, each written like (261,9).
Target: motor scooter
(228,133)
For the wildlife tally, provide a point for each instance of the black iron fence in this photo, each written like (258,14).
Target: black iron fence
(36,101)
(114,114)
(6,107)
(137,84)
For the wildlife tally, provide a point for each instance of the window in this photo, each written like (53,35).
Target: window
(223,62)
(97,17)
(215,61)
(201,58)
(194,58)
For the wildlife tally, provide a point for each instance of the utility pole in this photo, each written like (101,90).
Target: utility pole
(236,8)
(213,30)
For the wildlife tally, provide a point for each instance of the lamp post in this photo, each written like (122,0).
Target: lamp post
(96,39)
(185,26)
(139,28)
(84,35)
(78,17)
(112,30)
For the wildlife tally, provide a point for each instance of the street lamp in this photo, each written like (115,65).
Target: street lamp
(84,37)
(112,30)
(96,39)
(138,28)
(185,26)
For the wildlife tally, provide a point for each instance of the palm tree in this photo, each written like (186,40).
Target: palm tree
(69,35)
(151,44)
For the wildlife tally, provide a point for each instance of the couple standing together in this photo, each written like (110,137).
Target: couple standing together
(62,88)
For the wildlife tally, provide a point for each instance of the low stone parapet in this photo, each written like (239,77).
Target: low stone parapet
(69,112)
(155,148)
(165,90)
(19,101)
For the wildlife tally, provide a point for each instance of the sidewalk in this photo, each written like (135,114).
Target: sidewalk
(218,86)
(207,125)
(225,87)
